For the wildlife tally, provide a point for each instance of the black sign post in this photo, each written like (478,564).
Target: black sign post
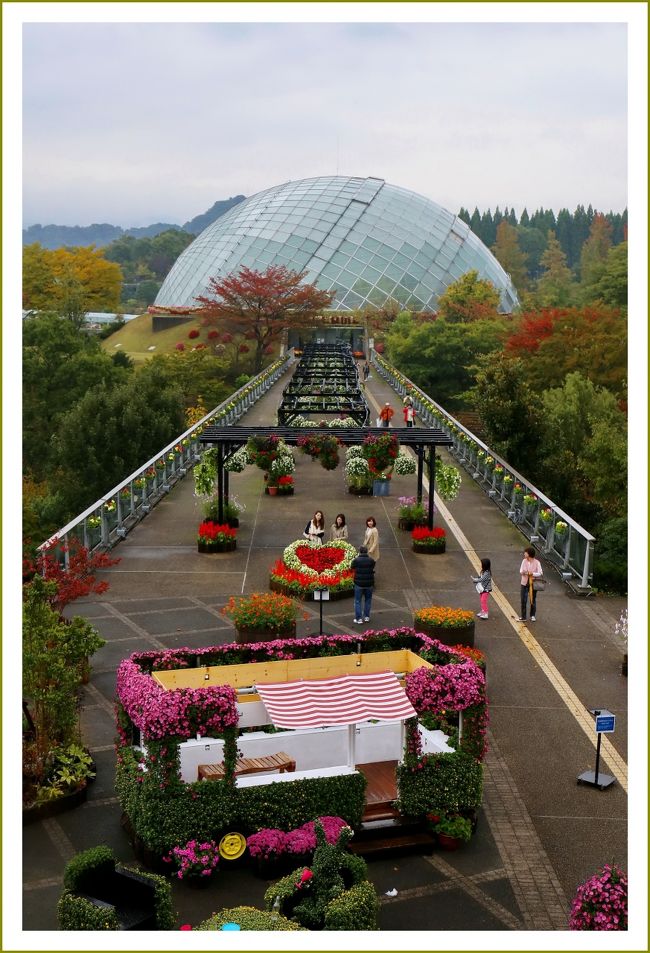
(321,596)
(605,724)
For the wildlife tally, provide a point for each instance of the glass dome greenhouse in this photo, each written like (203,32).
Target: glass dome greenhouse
(362,238)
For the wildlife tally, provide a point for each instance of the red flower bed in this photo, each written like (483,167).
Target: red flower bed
(301,581)
(285,481)
(422,533)
(212,531)
(326,557)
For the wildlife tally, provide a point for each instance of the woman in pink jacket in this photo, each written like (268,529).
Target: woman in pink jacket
(530,569)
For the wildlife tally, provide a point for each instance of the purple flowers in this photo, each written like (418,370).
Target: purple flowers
(600,903)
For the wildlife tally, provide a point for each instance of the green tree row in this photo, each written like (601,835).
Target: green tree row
(570,228)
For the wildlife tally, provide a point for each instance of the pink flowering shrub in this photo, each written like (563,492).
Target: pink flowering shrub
(446,687)
(267,844)
(600,903)
(195,859)
(182,712)
(302,840)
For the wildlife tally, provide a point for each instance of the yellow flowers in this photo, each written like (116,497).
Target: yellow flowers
(444,616)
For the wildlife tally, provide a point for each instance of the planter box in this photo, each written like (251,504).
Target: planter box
(217,547)
(286,591)
(40,812)
(381,488)
(279,491)
(244,636)
(405,522)
(448,635)
(430,550)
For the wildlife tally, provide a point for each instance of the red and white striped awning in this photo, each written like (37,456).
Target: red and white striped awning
(342,700)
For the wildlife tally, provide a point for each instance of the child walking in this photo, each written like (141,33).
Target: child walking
(484,581)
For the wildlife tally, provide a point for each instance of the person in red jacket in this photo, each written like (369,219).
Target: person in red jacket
(386,414)
(409,413)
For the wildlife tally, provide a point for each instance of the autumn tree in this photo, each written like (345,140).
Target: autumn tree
(608,283)
(470,298)
(260,305)
(555,288)
(594,251)
(507,252)
(70,281)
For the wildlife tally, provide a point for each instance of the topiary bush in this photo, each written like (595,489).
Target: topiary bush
(356,909)
(91,863)
(249,918)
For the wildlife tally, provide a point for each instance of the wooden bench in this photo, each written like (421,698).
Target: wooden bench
(272,762)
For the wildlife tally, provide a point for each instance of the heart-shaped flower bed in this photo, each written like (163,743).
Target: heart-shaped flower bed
(325,557)
(323,562)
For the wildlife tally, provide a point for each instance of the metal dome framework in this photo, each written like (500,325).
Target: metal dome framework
(364,239)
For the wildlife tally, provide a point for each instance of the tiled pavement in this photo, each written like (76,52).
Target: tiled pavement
(539,834)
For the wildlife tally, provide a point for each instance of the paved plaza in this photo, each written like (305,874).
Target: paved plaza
(539,833)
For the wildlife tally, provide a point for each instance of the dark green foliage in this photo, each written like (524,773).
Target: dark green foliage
(77,913)
(249,918)
(449,782)
(84,867)
(90,866)
(610,556)
(207,809)
(356,909)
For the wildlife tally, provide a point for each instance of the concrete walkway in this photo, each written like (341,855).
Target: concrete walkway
(539,833)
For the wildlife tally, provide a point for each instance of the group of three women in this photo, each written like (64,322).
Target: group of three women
(315,530)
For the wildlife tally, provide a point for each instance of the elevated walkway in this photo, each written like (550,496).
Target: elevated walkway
(539,833)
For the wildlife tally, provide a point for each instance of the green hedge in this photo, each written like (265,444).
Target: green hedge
(207,809)
(249,918)
(447,782)
(76,913)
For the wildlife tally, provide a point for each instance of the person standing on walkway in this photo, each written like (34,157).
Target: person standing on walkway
(339,529)
(409,413)
(363,567)
(484,587)
(530,569)
(371,538)
(366,371)
(386,414)
(315,528)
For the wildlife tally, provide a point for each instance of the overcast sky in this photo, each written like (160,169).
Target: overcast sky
(133,123)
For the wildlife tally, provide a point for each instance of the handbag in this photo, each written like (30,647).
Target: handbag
(479,587)
(539,584)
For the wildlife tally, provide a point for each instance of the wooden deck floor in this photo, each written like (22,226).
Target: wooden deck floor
(382,784)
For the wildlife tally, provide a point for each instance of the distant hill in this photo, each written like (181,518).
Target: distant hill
(73,236)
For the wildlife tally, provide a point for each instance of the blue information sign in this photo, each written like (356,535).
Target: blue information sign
(605,723)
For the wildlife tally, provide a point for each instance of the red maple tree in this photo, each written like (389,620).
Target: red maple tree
(260,304)
(78,579)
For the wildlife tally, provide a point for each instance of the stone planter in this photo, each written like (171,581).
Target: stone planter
(448,635)
(429,550)
(40,812)
(360,490)
(405,522)
(244,636)
(225,547)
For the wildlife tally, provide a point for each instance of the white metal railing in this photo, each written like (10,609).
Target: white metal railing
(568,546)
(112,517)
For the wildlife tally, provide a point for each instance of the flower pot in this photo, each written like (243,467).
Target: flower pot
(272,490)
(381,487)
(426,550)
(409,523)
(245,635)
(448,635)
(447,842)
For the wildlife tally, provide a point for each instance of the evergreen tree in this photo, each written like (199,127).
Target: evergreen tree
(475,222)
(509,255)
(488,231)
(525,219)
(579,235)
(555,286)
(594,251)
(464,216)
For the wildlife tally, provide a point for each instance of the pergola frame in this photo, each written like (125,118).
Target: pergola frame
(422,440)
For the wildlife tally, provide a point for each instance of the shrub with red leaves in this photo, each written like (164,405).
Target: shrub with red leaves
(193,334)
(180,346)
(213,335)
(79,579)
(244,349)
